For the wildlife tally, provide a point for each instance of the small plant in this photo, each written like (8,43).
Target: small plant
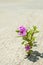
(28,36)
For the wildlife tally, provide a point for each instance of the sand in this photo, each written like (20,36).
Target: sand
(11,50)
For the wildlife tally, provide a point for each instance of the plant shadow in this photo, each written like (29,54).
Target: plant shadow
(34,56)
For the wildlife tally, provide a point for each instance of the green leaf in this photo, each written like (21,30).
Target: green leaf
(35,45)
(30,34)
(25,38)
(33,39)
(29,52)
(36,31)
(17,30)
(31,31)
(34,27)
(31,44)
(23,42)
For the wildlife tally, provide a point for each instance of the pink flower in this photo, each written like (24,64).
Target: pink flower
(22,31)
(27,47)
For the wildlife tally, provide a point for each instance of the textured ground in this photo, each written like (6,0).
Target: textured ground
(11,50)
